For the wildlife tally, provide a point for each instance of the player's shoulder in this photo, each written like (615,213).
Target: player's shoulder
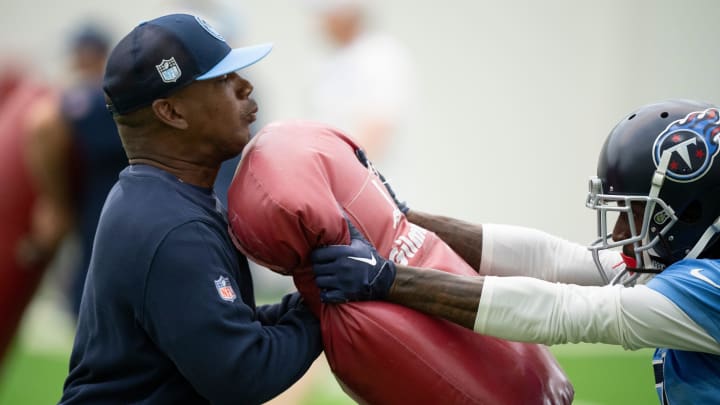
(690,275)
(691,266)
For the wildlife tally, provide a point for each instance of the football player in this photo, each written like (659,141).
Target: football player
(656,171)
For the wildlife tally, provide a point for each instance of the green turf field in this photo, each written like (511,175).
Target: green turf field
(608,375)
(35,368)
(601,375)
(32,378)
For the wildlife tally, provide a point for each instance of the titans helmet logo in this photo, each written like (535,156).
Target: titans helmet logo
(692,143)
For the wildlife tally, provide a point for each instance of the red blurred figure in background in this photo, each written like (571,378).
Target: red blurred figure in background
(19,274)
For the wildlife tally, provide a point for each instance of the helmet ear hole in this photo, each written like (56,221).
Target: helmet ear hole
(692,213)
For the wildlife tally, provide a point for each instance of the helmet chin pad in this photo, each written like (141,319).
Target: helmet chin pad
(629,261)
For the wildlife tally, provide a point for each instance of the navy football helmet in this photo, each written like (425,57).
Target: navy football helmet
(663,157)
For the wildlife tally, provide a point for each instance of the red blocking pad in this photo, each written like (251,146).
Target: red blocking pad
(17,196)
(295,182)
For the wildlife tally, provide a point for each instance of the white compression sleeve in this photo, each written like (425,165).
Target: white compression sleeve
(530,310)
(518,251)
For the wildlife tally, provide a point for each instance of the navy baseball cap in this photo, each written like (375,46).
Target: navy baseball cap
(90,36)
(161,56)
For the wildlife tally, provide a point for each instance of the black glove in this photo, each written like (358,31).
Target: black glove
(354,272)
(362,157)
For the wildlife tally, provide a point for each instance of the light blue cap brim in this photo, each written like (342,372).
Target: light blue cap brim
(237,59)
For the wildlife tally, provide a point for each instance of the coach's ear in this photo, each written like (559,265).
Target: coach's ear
(170,111)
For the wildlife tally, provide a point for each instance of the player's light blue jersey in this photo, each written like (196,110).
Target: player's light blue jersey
(684,377)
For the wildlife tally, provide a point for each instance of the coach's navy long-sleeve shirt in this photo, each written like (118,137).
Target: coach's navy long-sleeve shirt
(168,314)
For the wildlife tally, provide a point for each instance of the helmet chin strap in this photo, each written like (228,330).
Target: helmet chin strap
(656,184)
(631,264)
(631,274)
(643,257)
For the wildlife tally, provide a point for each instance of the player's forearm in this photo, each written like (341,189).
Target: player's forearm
(510,250)
(530,310)
(438,293)
(463,237)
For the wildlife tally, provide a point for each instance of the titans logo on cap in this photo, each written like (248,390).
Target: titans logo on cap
(207,27)
(692,142)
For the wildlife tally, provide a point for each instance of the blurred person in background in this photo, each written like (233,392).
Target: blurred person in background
(365,84)
(75,155)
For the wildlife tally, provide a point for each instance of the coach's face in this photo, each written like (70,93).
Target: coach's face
(219,112)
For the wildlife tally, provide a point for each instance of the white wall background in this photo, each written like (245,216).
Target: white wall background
(516,96)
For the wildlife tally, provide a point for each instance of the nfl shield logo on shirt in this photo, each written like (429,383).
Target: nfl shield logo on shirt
(169,70)
(224,289)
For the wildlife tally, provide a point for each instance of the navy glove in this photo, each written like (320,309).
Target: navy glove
(354,272)
(362,157)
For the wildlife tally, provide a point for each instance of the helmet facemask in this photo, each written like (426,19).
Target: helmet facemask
(657,220)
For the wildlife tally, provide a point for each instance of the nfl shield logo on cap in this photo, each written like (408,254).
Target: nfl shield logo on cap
(224,289)
(169,70)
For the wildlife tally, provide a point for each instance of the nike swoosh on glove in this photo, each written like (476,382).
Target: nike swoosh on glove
(354,272)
